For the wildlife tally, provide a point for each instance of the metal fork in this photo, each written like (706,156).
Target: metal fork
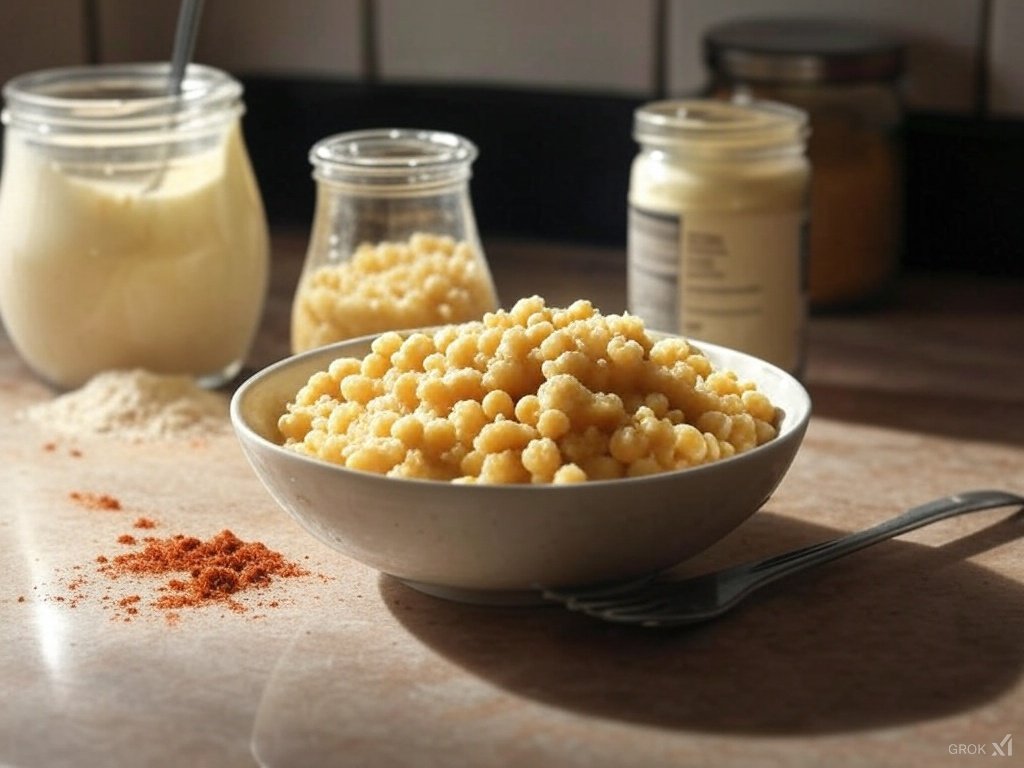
(652,603)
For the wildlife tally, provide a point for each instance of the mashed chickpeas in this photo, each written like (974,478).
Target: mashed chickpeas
(534,394)
(428,280)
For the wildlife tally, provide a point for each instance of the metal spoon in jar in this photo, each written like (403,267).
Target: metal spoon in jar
(184,44)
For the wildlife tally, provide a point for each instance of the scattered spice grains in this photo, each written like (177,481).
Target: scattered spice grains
(144,522)
(51,447)
(126,538)
(75,588)
(130,604)
(95,500)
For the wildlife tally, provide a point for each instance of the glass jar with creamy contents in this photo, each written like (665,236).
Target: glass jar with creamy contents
(718,222)
(846,76)
(394,243)
(132,233)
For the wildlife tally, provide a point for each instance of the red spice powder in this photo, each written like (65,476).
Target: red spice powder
(52,446)
(144,522)
(130,604)
(95,500)
(216,568)
(126,538)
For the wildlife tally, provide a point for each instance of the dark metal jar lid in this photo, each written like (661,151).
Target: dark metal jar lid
(802,50)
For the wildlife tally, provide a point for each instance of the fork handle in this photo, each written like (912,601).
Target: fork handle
(776,567)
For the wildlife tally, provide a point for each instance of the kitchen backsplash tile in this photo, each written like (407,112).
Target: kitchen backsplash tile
(603,46)
(942,37)
(29,38)
(132,31)
(598,45)
(303,37)
(1006,59)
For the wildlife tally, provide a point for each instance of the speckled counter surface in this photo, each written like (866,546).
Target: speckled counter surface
(895,656)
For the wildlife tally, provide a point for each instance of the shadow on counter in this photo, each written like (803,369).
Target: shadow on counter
(905,634)
(940,359)
(962,418)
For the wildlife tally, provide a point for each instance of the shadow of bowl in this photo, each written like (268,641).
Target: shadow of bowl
(905,633)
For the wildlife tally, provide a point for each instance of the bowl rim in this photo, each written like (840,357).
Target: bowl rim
(791,427)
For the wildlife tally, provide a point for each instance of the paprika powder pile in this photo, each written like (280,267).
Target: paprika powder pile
(215,569)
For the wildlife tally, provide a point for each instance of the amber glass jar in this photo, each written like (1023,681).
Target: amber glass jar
(846,77)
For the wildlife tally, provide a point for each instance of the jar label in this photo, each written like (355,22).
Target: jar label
(741,283)
(653,245)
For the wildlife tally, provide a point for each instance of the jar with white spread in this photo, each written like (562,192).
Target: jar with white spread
(394,243)
(132,233)
(718,224)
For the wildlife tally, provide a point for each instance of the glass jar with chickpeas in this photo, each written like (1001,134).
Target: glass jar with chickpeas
(394,243)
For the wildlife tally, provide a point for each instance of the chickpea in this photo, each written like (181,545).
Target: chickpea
(439,280)
(529,395)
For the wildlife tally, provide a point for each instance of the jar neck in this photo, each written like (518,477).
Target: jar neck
(716,131)
(120,105)
(393,163)
(716,156)
(360,189)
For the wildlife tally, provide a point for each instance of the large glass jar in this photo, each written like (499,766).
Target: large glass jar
(717,225)
(394,243)
(846,77)
(132,233)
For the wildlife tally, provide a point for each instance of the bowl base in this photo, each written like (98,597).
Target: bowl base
(499,597)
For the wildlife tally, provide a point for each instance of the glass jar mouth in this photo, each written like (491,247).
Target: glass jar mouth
(393,157)
(122,101)
(705,126)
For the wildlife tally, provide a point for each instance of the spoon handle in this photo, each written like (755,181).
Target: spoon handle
(184,42)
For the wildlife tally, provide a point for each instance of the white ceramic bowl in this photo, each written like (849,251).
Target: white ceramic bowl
(500,543)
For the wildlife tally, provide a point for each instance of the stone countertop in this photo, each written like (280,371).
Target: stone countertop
(898,655)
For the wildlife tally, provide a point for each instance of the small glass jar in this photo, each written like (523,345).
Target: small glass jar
(846,77)
(132,233)
(394,243)
(717,225)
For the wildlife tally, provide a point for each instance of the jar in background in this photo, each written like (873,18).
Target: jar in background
(846,76)
(132,233)
(717,225)
(394,243)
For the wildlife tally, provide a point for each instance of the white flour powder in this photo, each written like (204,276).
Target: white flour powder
(136,405)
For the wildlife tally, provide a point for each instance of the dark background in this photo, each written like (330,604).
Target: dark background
(555,165)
